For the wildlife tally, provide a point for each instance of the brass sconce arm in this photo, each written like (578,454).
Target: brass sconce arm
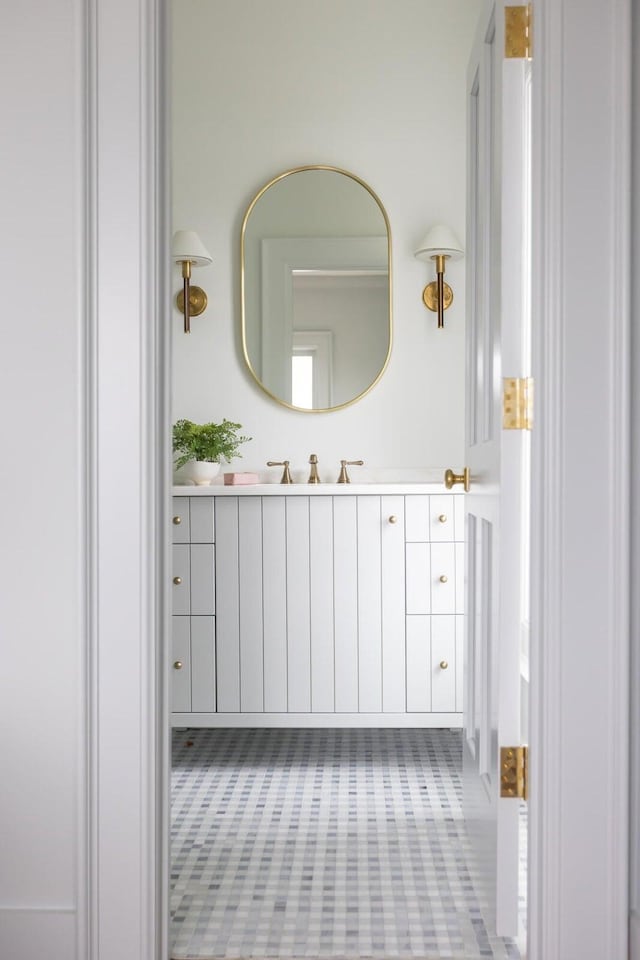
(439,245)
(189,251)
(186,277)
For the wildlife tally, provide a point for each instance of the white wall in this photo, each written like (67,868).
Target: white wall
(376,88)
(40,478)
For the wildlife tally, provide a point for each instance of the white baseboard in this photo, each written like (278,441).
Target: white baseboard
(634,935)
(36,934)
(422,720)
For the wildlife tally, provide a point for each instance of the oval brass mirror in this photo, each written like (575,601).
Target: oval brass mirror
(316,288)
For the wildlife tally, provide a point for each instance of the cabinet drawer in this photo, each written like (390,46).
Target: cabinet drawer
(180,665)
(443,664)
(442,518)
(443,578)
(181,574)
(180,525)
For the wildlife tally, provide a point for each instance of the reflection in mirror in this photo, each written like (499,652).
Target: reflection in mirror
(316,288)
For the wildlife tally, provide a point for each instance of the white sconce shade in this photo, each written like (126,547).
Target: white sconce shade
(187,245)
(440,244)
(188,249)
(440,241)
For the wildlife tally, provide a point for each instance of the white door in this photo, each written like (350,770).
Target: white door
(497,279)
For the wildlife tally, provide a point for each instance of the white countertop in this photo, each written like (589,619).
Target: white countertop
(218,489)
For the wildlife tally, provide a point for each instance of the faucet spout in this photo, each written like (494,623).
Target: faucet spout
(313,473)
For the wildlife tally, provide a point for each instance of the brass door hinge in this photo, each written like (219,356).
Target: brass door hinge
(514,772)
(517,32)
(517,403)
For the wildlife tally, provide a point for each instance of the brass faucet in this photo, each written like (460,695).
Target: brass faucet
(286,476)
(344,476)
(313,473)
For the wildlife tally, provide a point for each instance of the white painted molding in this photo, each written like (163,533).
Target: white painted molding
(634,806)
(634,935)
(126,437)
(580,571)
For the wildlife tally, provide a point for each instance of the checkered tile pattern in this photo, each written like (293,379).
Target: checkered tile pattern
(323,843)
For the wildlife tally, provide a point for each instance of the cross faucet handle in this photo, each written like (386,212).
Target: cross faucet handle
(344,476)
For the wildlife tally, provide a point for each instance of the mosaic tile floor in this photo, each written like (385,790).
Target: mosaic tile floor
(323,843)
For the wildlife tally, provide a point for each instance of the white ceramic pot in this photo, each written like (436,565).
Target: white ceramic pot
(202,472)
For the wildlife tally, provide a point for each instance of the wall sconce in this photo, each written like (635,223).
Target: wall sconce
(440,244)
(188,250)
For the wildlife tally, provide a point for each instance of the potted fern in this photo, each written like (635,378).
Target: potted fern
(204,446)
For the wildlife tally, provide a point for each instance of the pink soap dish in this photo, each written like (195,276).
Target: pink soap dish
(240,479)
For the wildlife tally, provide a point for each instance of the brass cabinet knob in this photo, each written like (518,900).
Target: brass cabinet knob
(451,478)
(444,578)
(443,664)
(178,665)
(177,520)
(177,581)
(442,518)
(393,519)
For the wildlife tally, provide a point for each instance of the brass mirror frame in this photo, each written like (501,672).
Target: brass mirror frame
(283,176)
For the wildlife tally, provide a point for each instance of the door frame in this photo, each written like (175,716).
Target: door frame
(582,56)
(580,485)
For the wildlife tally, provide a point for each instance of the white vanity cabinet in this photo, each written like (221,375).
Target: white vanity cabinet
(318,608)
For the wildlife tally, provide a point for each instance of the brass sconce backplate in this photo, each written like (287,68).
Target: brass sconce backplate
(197,301)
(430,296)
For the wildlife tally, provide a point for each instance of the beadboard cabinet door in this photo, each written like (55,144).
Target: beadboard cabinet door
(310,604)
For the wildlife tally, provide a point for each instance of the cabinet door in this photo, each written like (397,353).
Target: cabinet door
(203,665)
(181,599)
(181,665)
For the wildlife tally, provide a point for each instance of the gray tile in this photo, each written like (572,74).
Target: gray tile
(324,843)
